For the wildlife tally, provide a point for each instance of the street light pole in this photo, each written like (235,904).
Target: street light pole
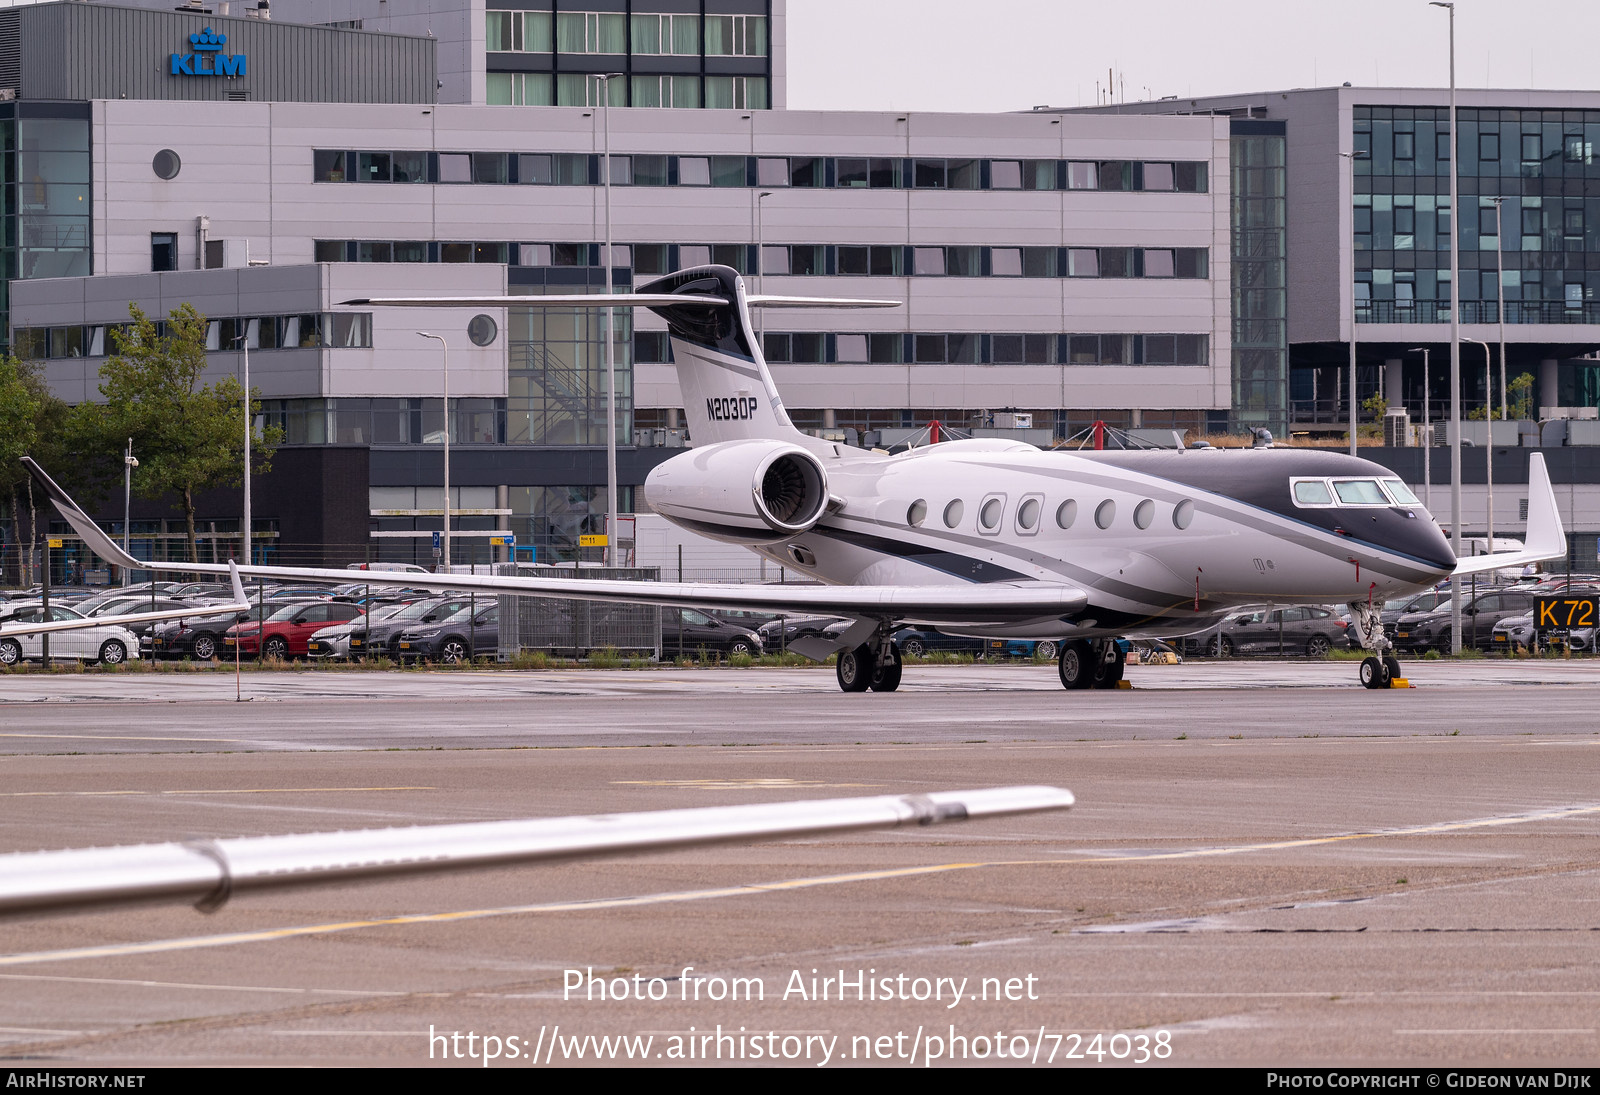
(1350,291)
(1500,299)
(1427,441)
(1455,336)
(761,274)
(609,333)
(129,462)
(445,347)
(249,429)
(1488,458)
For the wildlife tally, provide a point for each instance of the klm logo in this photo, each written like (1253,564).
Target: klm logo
(207,58)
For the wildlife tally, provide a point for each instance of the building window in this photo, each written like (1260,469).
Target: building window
(736,36)
(1082,176)
(591,32)
(666,35)
(666,91)
(1158,176)
(163,251)
(736,92)
(521,89)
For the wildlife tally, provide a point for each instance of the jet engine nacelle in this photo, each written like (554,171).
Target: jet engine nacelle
(742,492)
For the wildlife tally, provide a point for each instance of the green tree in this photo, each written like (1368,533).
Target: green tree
(189,436)
(1521,391)
(33,422)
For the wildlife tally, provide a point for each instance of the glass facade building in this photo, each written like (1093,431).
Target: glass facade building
(1542,164)
(1259,276)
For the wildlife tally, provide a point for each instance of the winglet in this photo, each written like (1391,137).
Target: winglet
(1546,537)
(240,597)
(99,543)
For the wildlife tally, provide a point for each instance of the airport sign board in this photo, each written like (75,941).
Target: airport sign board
(1555,612)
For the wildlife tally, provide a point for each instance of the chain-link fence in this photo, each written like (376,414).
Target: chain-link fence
(556,625)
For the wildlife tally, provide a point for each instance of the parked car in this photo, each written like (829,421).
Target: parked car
(914,642)
(1479,615)
(285,633)
(107,644)
(380,639)
(779,633)
(686,631)
(456,639)
(1309,630)
(333,642)
(198,637)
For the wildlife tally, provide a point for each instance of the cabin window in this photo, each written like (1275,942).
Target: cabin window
(1360,492)
(1312,492)
(1066,513)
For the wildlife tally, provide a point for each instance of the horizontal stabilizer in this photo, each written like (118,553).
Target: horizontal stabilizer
(1546,539)
(562,300)
(209,871)
(614,300)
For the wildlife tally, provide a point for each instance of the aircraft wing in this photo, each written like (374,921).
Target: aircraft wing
(209,871)
(952,605)
(240,603)
(1546,539)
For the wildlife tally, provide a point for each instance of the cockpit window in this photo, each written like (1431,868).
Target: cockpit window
(1402,493)
(1360,492)
(1312,492)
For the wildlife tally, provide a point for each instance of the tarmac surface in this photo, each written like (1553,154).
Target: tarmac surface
(1266,865)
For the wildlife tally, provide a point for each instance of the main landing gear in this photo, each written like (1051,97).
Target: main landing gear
(875,665)
(1085,664)
(1379,668)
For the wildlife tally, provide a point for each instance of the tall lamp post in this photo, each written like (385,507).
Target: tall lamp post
(761,270)
(604,82)
(1488,457)
(1350,159)
(1500,300)
(1427,441)
(129,462)
(1455,336)
(243,342)
(445,348)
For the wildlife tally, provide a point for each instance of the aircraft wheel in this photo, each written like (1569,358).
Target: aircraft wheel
(10,652)
(886,678)
(854,669)
(1373,673)
(1391,666)
(1076,664)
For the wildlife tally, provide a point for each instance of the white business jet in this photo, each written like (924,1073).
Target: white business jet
(986,537)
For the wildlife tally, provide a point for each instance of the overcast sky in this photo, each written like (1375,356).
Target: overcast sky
(993,55)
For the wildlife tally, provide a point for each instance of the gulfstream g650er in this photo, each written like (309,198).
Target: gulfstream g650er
(986,537)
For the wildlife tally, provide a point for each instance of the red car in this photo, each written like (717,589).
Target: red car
(285,633)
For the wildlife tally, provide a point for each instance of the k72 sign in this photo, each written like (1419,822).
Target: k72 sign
(1554,613)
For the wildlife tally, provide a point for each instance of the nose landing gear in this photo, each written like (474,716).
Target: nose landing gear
(1379,669)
